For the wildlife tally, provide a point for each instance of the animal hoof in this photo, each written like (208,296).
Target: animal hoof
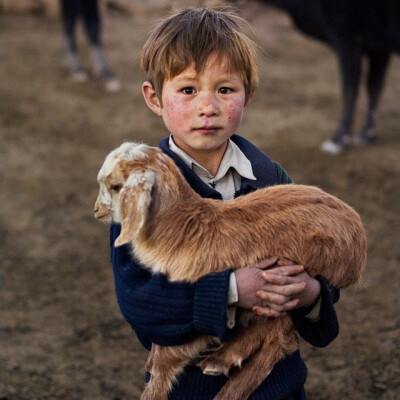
(217,366)
(212,371)
(331,147)
(213,368)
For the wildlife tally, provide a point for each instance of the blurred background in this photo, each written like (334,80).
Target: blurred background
(61,332)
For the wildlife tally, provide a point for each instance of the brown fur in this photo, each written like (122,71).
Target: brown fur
(176,232)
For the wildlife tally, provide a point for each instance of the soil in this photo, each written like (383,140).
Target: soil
(62,335)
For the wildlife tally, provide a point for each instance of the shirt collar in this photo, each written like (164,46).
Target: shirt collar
(233,158)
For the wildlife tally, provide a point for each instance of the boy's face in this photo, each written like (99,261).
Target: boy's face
(201,110)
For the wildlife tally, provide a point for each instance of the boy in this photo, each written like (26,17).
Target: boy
(201,76)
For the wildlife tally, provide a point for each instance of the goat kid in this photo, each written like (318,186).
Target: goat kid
(142,188)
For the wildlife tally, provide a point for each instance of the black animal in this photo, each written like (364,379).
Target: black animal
(355,29)
(88,11)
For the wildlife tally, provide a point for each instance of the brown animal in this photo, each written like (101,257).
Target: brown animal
(173,231)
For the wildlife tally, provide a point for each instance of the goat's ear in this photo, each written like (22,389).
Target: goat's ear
(134,200)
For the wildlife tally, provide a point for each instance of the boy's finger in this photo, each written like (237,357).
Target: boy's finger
(275,310)
(276,278)
(286,262)
(266,312)
(266,263)
(287,270)
(271,299)
(286,291)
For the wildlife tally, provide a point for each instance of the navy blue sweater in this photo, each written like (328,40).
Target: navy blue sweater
(170,314)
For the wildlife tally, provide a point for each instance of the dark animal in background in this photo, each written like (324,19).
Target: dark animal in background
(355,29)
(88,11)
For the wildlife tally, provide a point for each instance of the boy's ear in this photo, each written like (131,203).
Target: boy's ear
(249,100)
(151,98)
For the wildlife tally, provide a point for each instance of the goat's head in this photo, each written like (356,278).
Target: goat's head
(125,189)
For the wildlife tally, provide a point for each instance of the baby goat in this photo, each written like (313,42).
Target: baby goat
(142,188)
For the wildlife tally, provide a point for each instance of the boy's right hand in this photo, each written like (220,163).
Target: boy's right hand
(249,281)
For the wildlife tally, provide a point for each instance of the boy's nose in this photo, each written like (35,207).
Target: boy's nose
(208,105)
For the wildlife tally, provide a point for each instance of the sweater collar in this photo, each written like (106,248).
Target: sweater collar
(233,158)
(263,169)
(194,181)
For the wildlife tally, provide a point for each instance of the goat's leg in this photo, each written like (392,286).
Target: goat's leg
(378,63)
(167,363)
(280,341)
(149,362)
(232,353)
(164,368)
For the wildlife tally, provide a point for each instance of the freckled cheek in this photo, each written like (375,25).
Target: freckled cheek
(235,113)
(176,115)
(175,108)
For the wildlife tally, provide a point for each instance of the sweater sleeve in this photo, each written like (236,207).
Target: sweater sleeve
(283,177)
(324,330)
(163,312)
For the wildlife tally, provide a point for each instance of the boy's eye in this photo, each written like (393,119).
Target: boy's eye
(188,90)
(225,90)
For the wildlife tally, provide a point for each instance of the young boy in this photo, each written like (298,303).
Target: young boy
(201,76)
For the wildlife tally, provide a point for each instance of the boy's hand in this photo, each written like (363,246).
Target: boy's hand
(287,286)
(249,280)
(272,292)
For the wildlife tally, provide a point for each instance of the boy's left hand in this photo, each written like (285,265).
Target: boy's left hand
(285,289)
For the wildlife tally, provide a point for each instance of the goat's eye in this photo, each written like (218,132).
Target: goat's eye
(116,188)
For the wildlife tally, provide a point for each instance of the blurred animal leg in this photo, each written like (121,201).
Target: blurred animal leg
(92,23)
(70,12)
(378,64)
(350,69)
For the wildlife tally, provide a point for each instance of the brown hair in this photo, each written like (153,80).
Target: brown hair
(192,36)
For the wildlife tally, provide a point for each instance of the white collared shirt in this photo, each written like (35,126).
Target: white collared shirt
(233,167)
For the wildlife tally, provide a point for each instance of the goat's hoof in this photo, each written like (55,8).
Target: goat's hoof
(211,371)
(215,367)
(211,368)
(331,147)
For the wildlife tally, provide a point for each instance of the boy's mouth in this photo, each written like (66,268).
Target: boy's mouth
(207,130)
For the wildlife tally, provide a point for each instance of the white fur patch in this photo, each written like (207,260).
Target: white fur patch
(145,178)
(127,151)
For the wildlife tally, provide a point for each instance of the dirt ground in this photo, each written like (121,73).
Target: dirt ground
(61,333)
